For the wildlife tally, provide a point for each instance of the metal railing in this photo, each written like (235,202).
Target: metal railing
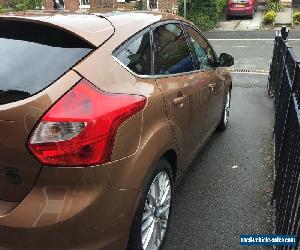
(284,86)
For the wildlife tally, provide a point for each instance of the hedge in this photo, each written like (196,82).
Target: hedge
(21,5)
(203,13)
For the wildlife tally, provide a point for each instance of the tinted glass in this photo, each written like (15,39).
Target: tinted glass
(33,56)
(204,54)
(172,54)
(137,55)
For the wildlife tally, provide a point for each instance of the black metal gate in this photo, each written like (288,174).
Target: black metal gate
(284,85)
(296,3)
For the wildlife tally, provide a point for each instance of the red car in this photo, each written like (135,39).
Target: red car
(241,8)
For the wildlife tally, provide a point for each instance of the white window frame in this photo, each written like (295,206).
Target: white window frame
(84,6)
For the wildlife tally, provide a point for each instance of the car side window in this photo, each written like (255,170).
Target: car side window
(136,54)
(172,54)
(204,54)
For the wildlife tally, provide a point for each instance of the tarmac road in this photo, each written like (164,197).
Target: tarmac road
(227,190)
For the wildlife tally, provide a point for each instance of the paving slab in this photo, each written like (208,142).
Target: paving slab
(228,25)
(284,17)
(242,23)
(251,24)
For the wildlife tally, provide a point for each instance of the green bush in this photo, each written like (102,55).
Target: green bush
(21,5)
(202,20)
(269,17)
(203,13)
(297,17)
(275,5)
(221,4)
(140,5)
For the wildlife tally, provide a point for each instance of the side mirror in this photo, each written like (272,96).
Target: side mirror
(226,60)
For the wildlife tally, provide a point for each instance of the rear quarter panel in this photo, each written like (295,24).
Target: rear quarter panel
(142,139)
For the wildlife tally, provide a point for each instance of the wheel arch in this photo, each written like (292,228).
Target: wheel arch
(171,157)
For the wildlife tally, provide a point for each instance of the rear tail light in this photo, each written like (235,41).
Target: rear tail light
(79,129)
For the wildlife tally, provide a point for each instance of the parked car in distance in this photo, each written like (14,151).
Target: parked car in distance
(241,8)
(100,114)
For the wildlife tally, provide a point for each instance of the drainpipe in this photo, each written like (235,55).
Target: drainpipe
(184,8)
(57,5)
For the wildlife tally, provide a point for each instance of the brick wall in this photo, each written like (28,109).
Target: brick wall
(69,4)
(167,4)
(72,4)
(2,2)
(109,4)
(48,4)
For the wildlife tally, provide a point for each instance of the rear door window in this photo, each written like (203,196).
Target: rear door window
(172,54)
(33,56)
(136,54)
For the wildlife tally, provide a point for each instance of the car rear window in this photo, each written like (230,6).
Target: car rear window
(33,56)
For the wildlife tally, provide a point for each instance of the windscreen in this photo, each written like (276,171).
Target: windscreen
(34,55)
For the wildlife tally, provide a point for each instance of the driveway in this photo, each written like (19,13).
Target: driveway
(242,23)
(227,190)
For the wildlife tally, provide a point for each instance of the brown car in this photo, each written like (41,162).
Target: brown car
(99,117)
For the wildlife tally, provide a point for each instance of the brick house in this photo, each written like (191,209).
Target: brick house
(163,5)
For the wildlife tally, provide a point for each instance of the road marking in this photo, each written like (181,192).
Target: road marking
(251,72)
(250,39)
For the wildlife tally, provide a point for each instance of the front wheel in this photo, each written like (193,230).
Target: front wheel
(226,111)
(153,215)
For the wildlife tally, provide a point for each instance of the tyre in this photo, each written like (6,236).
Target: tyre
(253,13)
(226,111)
(152,218)
(228,17)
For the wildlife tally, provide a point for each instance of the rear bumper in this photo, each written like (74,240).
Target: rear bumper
(246,11)
(70,209)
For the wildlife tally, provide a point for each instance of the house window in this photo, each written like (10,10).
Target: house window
(152,4)
(84,4)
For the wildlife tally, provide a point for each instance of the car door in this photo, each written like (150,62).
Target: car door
(207,64)
(184,91)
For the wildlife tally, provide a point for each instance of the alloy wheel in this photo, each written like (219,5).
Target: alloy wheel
(156,212)
(227,108)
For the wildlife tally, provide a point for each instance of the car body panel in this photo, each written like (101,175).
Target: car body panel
(94,29)
(64,199)
(114,78)
(188,119)
(216,89)
(18,168)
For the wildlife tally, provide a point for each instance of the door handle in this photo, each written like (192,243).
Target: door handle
(179,100)
(212,86)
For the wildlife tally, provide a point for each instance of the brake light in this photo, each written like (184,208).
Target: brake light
(79,130)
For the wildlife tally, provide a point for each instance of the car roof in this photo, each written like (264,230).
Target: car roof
(95,28)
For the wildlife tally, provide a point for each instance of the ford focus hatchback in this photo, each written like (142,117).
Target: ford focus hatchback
(99,117)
